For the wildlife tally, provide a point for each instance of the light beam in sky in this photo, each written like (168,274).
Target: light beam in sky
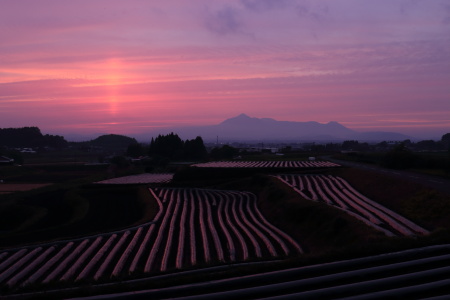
(113,80)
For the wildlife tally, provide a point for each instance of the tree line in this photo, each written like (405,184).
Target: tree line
(170,147)
(353,145)
(29,137)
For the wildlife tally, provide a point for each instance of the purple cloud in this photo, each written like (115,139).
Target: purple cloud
(224,21)
(266,5)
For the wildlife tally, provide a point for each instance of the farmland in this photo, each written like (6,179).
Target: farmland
(139,179)
(17,187)
(192,227)
(255,216)
(266,164)
(338,193)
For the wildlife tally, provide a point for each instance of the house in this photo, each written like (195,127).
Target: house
(6,160)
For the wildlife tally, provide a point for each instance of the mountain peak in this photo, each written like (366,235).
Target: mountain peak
(335,124)
(238,119)
(242,116)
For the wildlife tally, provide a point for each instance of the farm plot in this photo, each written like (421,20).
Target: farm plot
(6,188)
(266,164)
(193,227)
(421,273)
(140,178)
(338,193)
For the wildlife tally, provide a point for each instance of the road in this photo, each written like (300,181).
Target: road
(435,182)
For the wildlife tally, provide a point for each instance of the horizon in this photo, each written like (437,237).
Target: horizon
(111,67)
(144,138)
(77,137)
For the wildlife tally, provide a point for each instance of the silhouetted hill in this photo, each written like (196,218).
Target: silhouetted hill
(29,137)
(245,128)
(113,141)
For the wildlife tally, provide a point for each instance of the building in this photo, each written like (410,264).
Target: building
(6,160)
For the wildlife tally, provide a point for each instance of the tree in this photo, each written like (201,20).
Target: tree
(55,141)
(350,145)
(195,149)
(170,146)
(135,150)
(225,152)
(427,145)
(30,137)
(399,158)
(446,141)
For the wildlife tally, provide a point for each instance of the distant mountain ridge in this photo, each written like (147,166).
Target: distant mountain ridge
(245,128)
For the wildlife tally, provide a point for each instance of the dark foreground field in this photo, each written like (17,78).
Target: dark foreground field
(75,208)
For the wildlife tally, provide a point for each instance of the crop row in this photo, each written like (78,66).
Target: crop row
(338,193)
(421,273)
(193,227)
(266,164)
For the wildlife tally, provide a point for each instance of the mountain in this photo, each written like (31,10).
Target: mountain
(245,128)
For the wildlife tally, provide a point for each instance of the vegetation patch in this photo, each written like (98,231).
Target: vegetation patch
(19,187)
(73,212)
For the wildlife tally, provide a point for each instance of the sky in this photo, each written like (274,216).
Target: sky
(134,66)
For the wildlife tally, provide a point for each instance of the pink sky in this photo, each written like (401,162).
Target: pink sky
(128,67)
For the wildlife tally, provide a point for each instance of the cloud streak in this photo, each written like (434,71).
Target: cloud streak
(200,62)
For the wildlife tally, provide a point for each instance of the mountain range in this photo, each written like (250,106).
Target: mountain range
(245,128)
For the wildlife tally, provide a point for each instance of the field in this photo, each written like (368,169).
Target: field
(61,213)
(6,188)
(139,179)
(267,164)
(269,217)
(193,227)
(338,193)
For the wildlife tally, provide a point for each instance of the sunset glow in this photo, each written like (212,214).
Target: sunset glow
(128,67)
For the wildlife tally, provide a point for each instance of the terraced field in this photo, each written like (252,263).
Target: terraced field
(198,231)
(140,179)
(413,274)
(193,227)
(267,164)
(338,193)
